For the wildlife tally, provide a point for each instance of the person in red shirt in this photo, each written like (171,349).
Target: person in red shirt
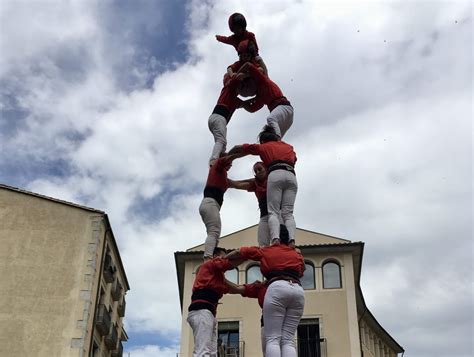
(269,94)
(209,286)
(282,265)
(279,159)
(238,26)
(258,185)
(247,53)
(211,204)
(227,103)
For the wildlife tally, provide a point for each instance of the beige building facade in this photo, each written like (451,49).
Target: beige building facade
(336,321)
(62,282)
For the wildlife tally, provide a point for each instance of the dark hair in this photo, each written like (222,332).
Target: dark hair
(237,20)
(268,134)
(247,46)
(218,250)
(284,235)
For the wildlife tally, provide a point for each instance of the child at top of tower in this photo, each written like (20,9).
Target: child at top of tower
(238,26)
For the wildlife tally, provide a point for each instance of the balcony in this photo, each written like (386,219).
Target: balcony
(111,339)
(234,351)
(109,269)
(116,291)
(118,352)
(121,308)
(103,320)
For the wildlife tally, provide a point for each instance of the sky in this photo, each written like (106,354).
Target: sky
(105,103)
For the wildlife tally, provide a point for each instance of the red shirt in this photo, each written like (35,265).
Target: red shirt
(268,92)
(256,290)
(234,40)
(218,174)
(236,65)
(275,258)
(211,276)
(271,151)
(259,187)
(229,97)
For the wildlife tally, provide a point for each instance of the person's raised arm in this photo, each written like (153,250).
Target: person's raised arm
(224,39)
(236,150)
(262,66)
(234,288)
(239,185)
(234,255)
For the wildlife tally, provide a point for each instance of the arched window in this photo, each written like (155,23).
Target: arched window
(232,275)
(307,280)
(253,274)
(331,275)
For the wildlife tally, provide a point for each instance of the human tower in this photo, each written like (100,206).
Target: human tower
(280,295)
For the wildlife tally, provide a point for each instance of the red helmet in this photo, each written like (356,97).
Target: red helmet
(237,20)
(247,46)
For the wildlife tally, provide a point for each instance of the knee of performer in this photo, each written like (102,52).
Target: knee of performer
(272,340)
(286,214)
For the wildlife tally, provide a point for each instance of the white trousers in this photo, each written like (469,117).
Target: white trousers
(282,310)
(218,127)
(262,336)
(204,326)
(281,195)
(210,214)
(263,232)
(281,119)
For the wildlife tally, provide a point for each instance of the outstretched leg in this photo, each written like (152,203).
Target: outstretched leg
(210,214)
(218,127)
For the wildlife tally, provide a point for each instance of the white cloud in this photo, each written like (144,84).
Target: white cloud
(153,351)
(382,97)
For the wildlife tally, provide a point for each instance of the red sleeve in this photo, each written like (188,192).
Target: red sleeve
(222,264)
(225,39)
(222,162)
(253,149)
(252,187)
(252,290)
(253,253)
(301,265)
(252,37)
(256,74)
(235,66)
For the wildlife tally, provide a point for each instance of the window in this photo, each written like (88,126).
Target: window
(307,280)
(309,341)
(253,274)
(232,275)
(331,275)
(228,339)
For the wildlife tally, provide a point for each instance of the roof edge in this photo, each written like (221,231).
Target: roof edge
(114,243)
(49,198)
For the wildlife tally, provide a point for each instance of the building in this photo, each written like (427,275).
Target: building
(336,320)
(62,282)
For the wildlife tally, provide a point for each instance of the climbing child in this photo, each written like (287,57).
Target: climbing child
(238,26)
(269,94)
(258,185)
(211,203)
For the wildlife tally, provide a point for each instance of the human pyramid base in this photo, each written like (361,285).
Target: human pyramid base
(280,294)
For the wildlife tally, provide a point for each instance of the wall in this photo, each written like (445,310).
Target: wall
(45,284)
